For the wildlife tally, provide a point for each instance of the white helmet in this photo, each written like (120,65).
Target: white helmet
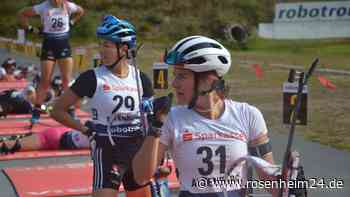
(200,54)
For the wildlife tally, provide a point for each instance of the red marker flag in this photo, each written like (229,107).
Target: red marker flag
(258,70)
(326,83)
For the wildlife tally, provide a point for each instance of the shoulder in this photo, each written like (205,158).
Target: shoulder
(241,106)
(40,6)
(85,84)
(71,5)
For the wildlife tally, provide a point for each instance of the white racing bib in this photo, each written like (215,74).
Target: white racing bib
(57,21)
(204,149)
(208,163)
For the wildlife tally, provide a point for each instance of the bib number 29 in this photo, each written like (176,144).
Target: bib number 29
(208,154)
(127,101)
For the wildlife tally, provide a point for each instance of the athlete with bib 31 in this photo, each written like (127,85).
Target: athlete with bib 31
(56,23)
(206,132)
(112,91)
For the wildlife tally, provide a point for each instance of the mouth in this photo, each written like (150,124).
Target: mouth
(179,93)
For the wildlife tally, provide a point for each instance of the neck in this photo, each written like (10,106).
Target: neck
(213,111)
(121,69)
(55,5)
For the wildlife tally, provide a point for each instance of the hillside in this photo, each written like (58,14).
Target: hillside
(154,19)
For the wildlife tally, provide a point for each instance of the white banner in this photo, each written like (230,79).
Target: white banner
(305,30)
(315,11)
(313,20)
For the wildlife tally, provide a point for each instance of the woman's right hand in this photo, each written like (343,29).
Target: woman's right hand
(89,130)
(161,107)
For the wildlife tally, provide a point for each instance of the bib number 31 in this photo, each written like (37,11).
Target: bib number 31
(208,154)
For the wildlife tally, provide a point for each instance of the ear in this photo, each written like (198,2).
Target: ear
(125,47)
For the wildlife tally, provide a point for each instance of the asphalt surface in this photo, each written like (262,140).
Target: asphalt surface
(321,163)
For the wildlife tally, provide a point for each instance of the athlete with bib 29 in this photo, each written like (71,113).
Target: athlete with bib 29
(206,132)
(57,17)
(112,91)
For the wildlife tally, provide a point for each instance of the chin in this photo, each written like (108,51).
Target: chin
(180,101)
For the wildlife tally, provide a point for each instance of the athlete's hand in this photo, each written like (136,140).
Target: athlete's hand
(91,129)
(162,172)
(90,133)
(161,107)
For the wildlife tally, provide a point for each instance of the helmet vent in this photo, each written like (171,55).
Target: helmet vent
(188,39)
(202,45)
(222,59)
(196,60)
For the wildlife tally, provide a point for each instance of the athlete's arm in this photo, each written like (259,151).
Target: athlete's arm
(60,110)
(84,86)
(151,151)
(147,159)
(23,16)
(261,147)
(77,15)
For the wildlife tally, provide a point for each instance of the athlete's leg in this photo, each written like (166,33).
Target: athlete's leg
(131,187)
(48,139)
(31,142)
(102,166)
(66,69)
(47,67)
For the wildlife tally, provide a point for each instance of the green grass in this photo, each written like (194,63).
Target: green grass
(333,53)
(327,110)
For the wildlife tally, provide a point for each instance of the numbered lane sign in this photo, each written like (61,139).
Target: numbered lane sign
(289,102)
(160,76)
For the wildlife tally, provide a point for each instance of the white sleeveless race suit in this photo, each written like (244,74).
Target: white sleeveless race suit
(115,103)
(55,20)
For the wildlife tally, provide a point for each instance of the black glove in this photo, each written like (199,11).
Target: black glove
(161,106)
(91,132)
